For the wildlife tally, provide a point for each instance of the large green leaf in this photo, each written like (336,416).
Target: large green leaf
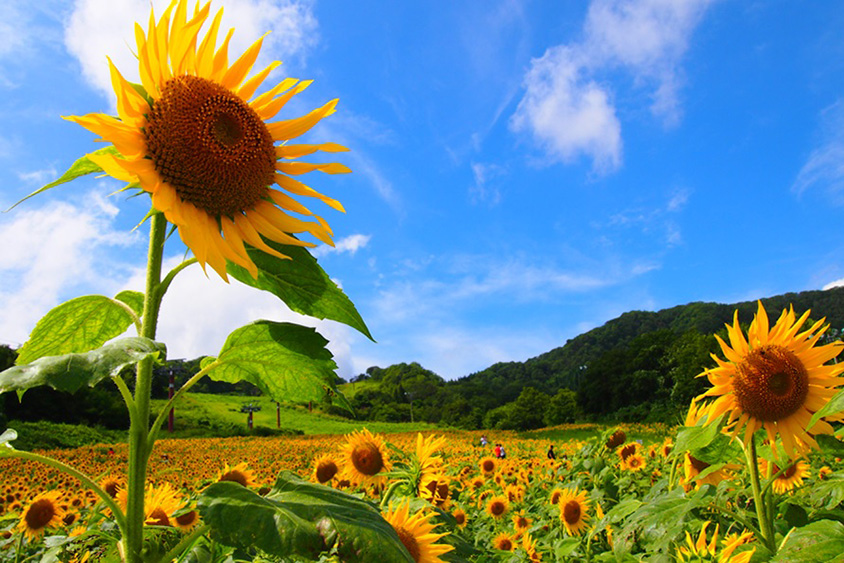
(301,283)
(299,518)
(81,167)
(691,438)
(819,541)
(286,361)
(76,326)
(71,371)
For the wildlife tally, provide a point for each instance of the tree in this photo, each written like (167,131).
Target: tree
(562,408)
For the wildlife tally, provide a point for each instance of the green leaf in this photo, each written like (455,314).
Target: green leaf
(71,371)
(135,300)
(81,167)
(819,541)
(299,518)
(834,406)
(301,283)
(286,361)
(79,325)
(691,438)
(830,444)
(722,449)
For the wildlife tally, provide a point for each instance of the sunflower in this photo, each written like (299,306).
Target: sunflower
(160,503)
(824,473)
(42,513)
(628,449)
(556,495)
(325,468)
(521,522)
(529,545)
(503,542)
(434,489)
(633,463)
(190,136)
(239,474)
(700,550)
(616,439)
(497,506)
(425,450)
(460,517)
(775,379)
(416,534)
(574,511)
(111,485)
(488,465)
(790,478)
(186,521)
(365,457)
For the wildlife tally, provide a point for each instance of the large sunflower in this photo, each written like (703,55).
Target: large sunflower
(775,379)
(574,511)
(190,136)
(43,512)
(416,533)
(365,458)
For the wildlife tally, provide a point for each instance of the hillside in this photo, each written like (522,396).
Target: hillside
(564,366)
(638,366)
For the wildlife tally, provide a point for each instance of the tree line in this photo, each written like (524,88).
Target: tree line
(641,366)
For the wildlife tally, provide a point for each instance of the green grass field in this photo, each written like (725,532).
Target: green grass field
(196,411)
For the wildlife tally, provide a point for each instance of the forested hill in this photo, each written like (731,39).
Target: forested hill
(565,366)
(641,359)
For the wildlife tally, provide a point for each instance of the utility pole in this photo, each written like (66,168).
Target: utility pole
(171,388)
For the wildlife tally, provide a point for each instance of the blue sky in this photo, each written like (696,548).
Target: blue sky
(523,171)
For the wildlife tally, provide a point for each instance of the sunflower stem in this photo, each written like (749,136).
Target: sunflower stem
(759,501)
(139,444)
(156,426)
(388,494)
(168,279)
(186,542)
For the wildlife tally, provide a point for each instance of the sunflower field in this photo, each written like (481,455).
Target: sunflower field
(753,474)
(611,497)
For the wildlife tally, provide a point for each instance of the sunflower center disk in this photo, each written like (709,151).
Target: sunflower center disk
(409,540)
(571,512)
(326,471)
(772,383)
(39,514)
(367,459)
(210,146)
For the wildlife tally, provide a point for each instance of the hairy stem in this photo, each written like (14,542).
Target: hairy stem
(139,443)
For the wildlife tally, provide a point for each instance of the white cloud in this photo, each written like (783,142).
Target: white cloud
(199,312)
(570,116)
(14,28)
(350,244)
(825,166)
(97,28)
(53,251)
(835,283)
(565,108)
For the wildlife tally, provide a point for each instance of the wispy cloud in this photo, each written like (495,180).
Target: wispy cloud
(824,168)
(347,245)
(661,219)
(570,113)
(100,28)
(484,189)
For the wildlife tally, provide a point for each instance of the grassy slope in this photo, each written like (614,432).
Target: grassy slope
(199,409)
